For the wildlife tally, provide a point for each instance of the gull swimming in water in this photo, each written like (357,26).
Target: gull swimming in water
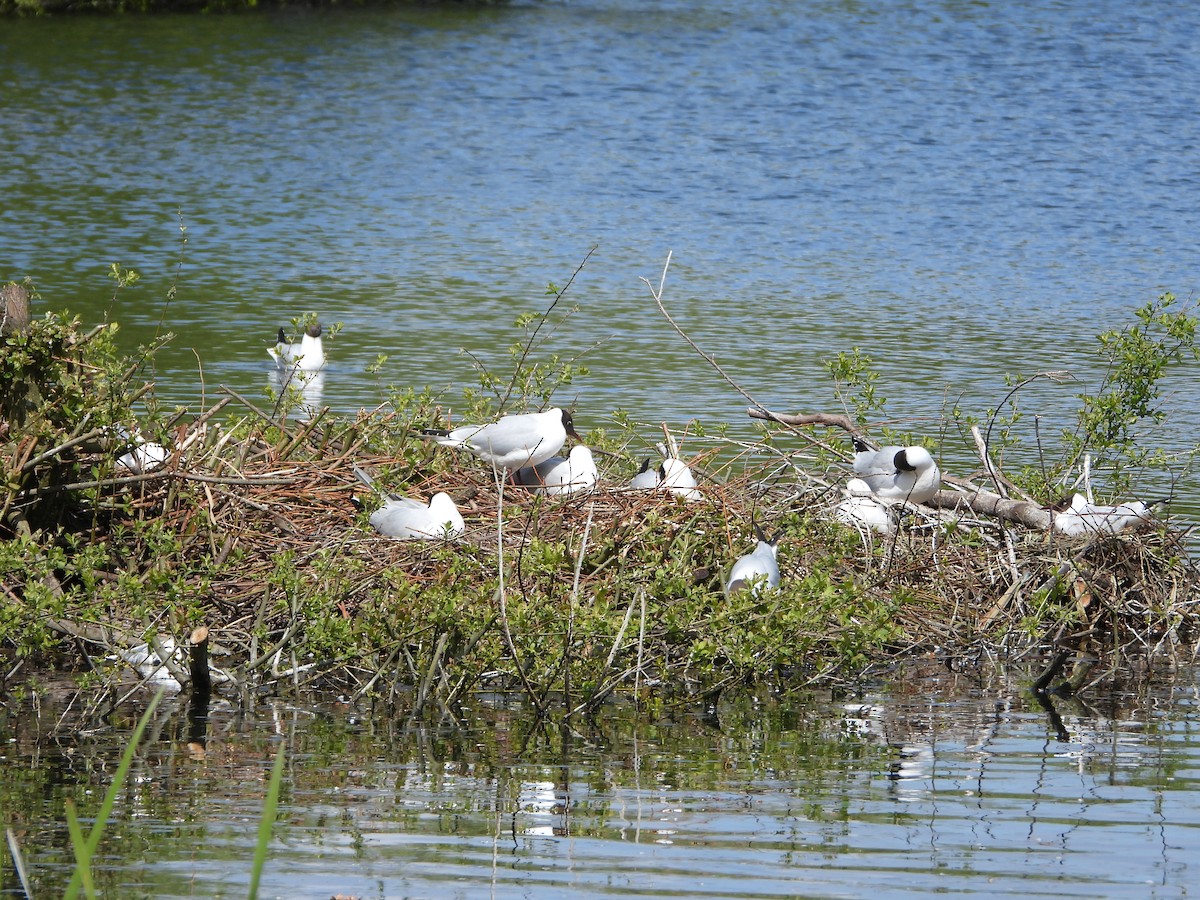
(149,664)
(756,570)
(514,441)
(406,519)
(897,473)
(560,475)
(307,356)
(1083,517)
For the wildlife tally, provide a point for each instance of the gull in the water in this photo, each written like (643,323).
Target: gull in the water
(1083,517)
(560,475)
(863,510)
(150,666)
(647,478)
(897,473)
(307,387)
(308,355)
(512,442)
(756,570)
(406,519)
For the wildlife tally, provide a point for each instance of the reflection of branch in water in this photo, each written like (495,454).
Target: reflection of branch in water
(1043,691)
(1060,730)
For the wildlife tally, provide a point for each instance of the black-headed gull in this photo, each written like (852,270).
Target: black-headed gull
(1083,517)
(756,570)
(862,510)
(513,441)
(677,477)
(406,519)
(897,473)
(308,355)
(150,666)
(138,455)
(560,475)
(646,478)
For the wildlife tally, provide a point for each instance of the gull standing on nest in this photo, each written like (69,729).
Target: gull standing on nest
(512,442)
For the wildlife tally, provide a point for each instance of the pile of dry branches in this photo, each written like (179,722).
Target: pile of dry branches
(574,598)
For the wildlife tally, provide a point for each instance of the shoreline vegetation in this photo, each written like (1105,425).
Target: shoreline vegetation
(250,529)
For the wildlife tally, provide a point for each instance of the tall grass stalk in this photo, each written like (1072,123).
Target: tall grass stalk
(266,823)
(85,848)
(18,862)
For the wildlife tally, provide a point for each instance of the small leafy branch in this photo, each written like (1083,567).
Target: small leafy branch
(1137,357)
(530,379)
(854,383)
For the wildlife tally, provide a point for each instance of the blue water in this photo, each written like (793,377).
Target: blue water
(923,783)
(964,190)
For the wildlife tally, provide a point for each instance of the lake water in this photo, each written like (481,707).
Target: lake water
(962,190)
(922,783)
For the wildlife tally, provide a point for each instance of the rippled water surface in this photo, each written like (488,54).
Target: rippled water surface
(963,190)
(924,783)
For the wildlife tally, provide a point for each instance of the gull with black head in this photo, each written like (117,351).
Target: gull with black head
(897,473)
(512,442)
(307,355)
(757,570)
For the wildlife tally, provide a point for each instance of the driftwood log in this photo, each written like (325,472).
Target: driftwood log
(14,308)
(833,420)
(965,496)
(985,503)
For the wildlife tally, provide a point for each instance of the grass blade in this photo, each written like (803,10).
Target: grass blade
(266,823)
(85,849)
(83,855)
(19,863)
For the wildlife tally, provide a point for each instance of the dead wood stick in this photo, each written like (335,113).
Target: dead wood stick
(14,308)
(31,464)
(986,503)
(1051,672)
(164,475)
(707,357)
(833,420)
(169,659)
(988,466)
(198,663)
(435,664)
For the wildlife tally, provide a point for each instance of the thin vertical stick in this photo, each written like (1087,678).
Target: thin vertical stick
(18,863)
(637,676)
(503,599)
(587,528)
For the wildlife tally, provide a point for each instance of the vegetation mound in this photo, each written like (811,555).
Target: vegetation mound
(250,521)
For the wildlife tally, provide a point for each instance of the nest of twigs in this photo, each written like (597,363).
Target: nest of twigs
(569,599)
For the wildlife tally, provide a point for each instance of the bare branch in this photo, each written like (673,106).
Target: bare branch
(657,295)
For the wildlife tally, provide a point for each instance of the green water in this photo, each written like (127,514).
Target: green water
(919,783)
